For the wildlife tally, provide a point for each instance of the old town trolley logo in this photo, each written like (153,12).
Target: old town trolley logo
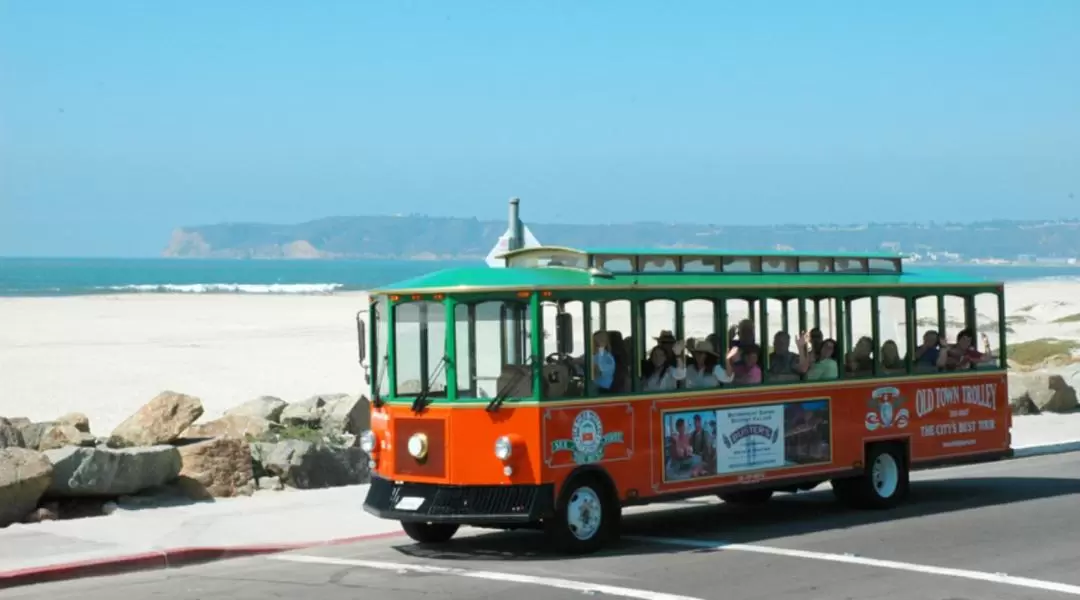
(587,438)
(885,409)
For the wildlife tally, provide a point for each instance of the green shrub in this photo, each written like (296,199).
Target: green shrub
(1037,351)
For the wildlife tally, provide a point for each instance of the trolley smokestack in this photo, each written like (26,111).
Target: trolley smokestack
(517,235)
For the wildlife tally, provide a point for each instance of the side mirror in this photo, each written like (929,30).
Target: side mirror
(564,333)
(361,336)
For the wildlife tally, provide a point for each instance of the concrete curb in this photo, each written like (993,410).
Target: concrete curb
(1045,449)
(169,558)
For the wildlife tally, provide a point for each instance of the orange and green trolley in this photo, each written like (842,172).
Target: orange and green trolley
(488,407)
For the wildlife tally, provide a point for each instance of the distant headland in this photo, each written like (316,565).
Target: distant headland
(419,237)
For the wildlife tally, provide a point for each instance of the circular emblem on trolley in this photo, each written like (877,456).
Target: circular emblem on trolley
(587,439)
(588,432)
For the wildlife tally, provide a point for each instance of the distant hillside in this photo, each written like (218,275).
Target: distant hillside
(421,237)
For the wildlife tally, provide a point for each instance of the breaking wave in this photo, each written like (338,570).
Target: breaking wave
(229,288)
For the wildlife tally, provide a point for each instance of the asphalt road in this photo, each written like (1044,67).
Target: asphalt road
(1003,530)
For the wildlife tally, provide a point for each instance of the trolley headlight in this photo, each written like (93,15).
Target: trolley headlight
(503,448)
(418,446)
(367,441)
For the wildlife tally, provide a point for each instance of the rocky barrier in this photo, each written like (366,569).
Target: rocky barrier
(59,469)
(162,453)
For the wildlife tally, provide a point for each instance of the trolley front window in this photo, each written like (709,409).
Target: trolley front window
(420,348)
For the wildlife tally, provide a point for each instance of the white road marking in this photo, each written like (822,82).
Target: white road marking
(1000,578)
(565,584)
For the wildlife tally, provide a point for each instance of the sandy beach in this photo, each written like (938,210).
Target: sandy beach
(106,356)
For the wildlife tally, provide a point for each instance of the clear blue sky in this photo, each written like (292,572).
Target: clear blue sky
(122,120)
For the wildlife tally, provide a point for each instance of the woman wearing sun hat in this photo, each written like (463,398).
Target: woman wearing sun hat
(666,342)
(706,371)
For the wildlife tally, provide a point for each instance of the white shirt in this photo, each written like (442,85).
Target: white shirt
(697,379)
(661,383)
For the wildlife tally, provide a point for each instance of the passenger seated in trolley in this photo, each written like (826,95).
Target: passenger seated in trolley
(783,363)
(926,355)
(891,361)
(658,372)
(819,366)
(964,355)
(860,361)
(706,370)
(666,342)
(744,333)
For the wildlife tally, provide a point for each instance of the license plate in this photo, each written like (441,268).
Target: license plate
(409,503)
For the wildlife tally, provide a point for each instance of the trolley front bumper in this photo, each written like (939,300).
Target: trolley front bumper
(464,504)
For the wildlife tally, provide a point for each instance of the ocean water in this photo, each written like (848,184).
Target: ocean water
(85,276)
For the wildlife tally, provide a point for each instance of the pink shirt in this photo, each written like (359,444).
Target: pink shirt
(744,374)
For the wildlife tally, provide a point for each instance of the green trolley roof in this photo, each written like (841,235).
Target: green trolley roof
(556,268)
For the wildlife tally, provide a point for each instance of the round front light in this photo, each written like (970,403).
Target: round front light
(418,446)
(503,448)
(367,441)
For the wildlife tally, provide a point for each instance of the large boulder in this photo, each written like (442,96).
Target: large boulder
(111,472)
(263,407)
(10,436)
(346,415)
(77,420)
(216,468)
(1049,392)
(19,422)
(160,421)
(33,432)
(53,434)
(1023,405)
(309,412)
(305,465)
(24,477)
(234,426)
(58,435)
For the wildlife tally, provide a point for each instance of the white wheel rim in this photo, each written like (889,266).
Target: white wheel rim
(885,475)
(583,513)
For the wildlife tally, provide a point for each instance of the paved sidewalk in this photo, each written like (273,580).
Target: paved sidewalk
(148,538)
(266,522)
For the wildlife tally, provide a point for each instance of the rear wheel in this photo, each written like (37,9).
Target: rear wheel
(587,516)
(747,497)
(883,485)
(429,533)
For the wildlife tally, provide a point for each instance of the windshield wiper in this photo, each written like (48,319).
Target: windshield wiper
(376,398)
(421,399)
(501,397)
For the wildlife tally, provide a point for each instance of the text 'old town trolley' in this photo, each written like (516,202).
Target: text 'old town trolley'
(571,383)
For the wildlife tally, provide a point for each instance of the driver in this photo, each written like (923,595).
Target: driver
(603,363)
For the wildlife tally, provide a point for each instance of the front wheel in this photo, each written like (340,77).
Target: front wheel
(429,533)
(587,516)
(884,484)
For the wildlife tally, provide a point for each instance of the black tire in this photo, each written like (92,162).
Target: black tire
(429,533)
(884,484)
(586,497)
(747,497)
